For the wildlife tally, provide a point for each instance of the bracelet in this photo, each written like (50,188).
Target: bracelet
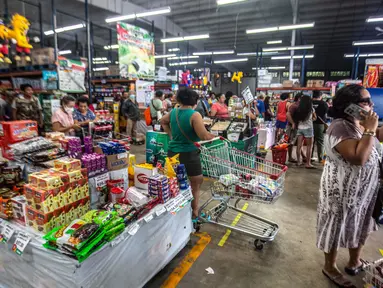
(367,133)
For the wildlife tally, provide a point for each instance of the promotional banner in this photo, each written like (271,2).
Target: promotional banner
(71,75)
(144,91)
(136,52)
(373,74)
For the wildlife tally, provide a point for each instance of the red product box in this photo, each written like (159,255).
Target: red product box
(30,217)
(16,131)
(59,217)
(69,213)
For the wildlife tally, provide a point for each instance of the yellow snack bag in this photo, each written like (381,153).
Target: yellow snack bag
(170,162)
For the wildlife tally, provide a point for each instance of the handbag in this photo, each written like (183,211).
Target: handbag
(377,214)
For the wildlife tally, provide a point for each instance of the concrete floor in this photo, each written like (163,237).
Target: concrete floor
(291,260)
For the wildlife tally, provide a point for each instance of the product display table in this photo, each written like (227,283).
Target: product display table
(126,262)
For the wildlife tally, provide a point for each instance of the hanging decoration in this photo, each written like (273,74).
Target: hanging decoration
(18,32)
(4,43)
(237,76)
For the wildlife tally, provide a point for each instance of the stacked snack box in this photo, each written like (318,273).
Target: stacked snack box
(57,196)
(159,187)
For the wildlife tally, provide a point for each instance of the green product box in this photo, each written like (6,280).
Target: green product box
(157,145)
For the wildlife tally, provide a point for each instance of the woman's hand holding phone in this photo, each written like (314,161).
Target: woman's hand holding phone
(369,121)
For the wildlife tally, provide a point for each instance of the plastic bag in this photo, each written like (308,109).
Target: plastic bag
(142,127)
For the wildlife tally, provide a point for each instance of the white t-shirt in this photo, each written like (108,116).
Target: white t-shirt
(307,124)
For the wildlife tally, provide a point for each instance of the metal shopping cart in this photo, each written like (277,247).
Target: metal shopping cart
(374,274)
(242,176)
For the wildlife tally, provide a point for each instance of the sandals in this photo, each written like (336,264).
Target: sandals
(357,270)
(310,167)
(339,280)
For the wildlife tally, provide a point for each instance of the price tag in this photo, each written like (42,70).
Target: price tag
(101,180)
(169,205)
(148,217)
(21,242)
(132,229)
(122,155)
(119,238)
(188,194)
(160,210)
(7,233)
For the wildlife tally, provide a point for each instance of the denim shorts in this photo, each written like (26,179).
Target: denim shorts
(307,133)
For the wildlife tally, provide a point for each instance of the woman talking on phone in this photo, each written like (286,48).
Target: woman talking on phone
(349,183)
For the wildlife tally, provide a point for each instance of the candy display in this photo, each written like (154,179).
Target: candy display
(74,147)
(159,187)
(94,163)
(16,131)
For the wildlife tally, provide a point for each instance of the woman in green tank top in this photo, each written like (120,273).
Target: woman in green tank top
(185,127)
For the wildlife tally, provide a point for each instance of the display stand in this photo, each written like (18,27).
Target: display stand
(130,263)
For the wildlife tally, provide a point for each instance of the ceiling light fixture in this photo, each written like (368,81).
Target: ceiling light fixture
(363,55)
(186,38)
(294,57)
(274,42)
(271,68)
(374,19)
(100,59)
(183,63)
(164,56)
(65,52)
(100,69)
(64,29)
(109,47)
(214,52)
(183,57)
(139,15)
(102,62)
(231,60)
(226,2)
(302,47)
(202,53)
(174,49)
(368,42)
(281,28)
(255,53)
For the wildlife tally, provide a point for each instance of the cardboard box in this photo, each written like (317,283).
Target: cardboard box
(287,83)
(115,162)
(16,131)
(19,205)
(31,217)
(157,145)
(59,217)
(142,175)
(67,165)
(45,222)
(43,56)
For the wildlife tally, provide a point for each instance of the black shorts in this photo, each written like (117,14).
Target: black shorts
(191,161)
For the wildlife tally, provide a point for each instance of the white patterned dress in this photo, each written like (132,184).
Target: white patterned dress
(347,193)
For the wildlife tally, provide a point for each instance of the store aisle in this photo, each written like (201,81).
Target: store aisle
(292,260)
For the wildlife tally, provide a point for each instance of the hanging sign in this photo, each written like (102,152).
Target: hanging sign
(247,95)
(71,75)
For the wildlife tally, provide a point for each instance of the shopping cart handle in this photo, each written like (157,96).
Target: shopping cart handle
(198,144)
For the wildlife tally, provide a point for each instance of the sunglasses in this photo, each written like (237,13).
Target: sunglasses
(367,101)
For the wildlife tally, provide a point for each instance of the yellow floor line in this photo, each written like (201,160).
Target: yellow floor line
(235,221)
(180,271)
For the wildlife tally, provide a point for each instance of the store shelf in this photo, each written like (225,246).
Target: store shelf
(294,89)
(106,81)
(21,74)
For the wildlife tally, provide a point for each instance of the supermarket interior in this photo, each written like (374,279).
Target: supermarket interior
(175,143)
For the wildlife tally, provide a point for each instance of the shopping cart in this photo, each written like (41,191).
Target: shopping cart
(253,179)
(374,274)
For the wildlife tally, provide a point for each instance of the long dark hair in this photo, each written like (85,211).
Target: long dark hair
(304,110)
(343,98)
(267,101)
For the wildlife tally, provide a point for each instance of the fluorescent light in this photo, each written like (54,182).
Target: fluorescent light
(202,53)
(138,15)
(261,30)
(154,12)
(108,47)
(102,62)
(274,49)
(174,49)
(186,38)
(368,42)
(183,63)
(225,2)
(281,28)
(183,57)
(66,28)
(231,60)
(255,53)
(196,37)
(274,42)
(364,55)
(100,69)
(64,52)
(374,19)
(271,68)
(302,47)
(164,56)
(116,62)
(100,59)
(223,52)
(297,26)
(120,18)
(289,57)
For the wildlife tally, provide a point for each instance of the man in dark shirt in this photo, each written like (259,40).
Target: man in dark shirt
(321,109)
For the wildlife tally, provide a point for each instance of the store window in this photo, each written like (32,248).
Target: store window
(315,74)
(340,74)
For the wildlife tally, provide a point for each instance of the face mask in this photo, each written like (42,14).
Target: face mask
(132,97)
(69,110)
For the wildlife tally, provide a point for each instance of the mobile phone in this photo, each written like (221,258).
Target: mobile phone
(355,111)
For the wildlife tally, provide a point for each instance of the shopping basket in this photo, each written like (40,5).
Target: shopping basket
(279,156)
(253,179)
(374,274)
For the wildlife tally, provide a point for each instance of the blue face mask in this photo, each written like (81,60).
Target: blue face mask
(132,97)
